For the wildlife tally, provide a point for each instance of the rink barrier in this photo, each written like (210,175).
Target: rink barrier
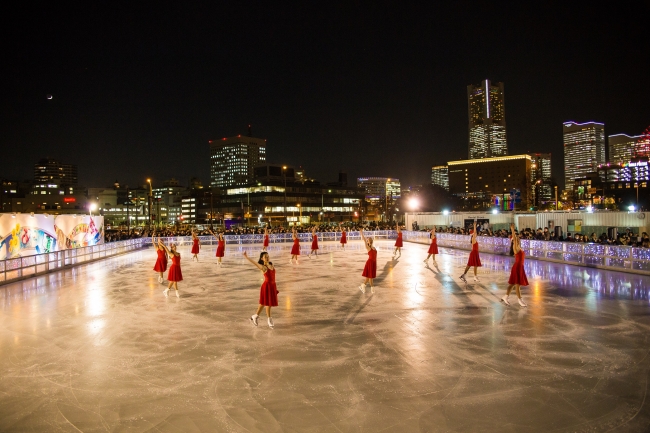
(609,257)
(19,268)
(182,241)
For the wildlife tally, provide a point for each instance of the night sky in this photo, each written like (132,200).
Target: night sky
(376,89)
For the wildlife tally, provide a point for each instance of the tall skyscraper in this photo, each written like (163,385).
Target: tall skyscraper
(540,178)
(584,150)
(440,176)
(233,160)
(487,120)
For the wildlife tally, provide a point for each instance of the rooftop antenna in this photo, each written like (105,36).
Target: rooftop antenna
(250,130)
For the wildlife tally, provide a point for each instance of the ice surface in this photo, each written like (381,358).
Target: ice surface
(99,348)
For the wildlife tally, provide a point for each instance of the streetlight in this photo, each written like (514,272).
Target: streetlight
(300,209)
(386,197)
(150,201)
(284,175)
(556,197)
(91,208)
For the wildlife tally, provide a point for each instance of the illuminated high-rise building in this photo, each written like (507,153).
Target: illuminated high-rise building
(584,150)
(233,160)
(623,148)
(487,120)
(378,188)
(440,176)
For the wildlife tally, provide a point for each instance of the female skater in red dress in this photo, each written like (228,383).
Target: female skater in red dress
(433,248)
(266,239)
(174,275)
(474,259)
(314,242)
(370,270)
(517,273)
(344,238)
(195,247)
(221,247)
(295,249)
(398,242)
(268,291)
(161,261)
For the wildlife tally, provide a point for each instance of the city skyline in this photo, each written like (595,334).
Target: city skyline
(371,91)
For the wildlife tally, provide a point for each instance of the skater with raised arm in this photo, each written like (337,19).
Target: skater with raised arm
(433,248)
(295,249)
(268,291)
(314,242)
(266,239)
(195,246)
(174,275)
(221,247)
(517,273)
(398,243)
(370,269)
(344,237)
(161,260)
(474,258)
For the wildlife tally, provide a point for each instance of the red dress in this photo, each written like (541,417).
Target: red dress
(314,242)
(370,270)
(221,248)
(269,291)
(266,240)
(295,249)
(195,246)
(175,273)
(474,259)
(344,239)
(161,261)
(398,242)
(517,273)
(433,248)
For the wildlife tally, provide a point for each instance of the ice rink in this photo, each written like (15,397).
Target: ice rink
(98,348)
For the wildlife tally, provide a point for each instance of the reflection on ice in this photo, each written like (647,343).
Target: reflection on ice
(101,346)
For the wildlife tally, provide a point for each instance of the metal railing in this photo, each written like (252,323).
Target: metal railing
(18,268)
(612,257)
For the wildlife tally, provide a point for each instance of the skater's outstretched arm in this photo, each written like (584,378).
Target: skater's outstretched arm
(363,238)
(257,265)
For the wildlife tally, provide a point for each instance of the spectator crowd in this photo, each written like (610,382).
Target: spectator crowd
(120,235)
(628,237)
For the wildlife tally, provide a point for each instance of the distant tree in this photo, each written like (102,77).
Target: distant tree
(434,198)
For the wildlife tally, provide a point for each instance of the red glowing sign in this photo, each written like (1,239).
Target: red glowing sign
(69,199)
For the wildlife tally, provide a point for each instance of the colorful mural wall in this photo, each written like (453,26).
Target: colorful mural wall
(26,235)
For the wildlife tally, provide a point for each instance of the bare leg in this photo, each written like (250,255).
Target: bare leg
(268,311)
(518,289)
(510,286)
(466,269)
(475,268)
(259,310)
